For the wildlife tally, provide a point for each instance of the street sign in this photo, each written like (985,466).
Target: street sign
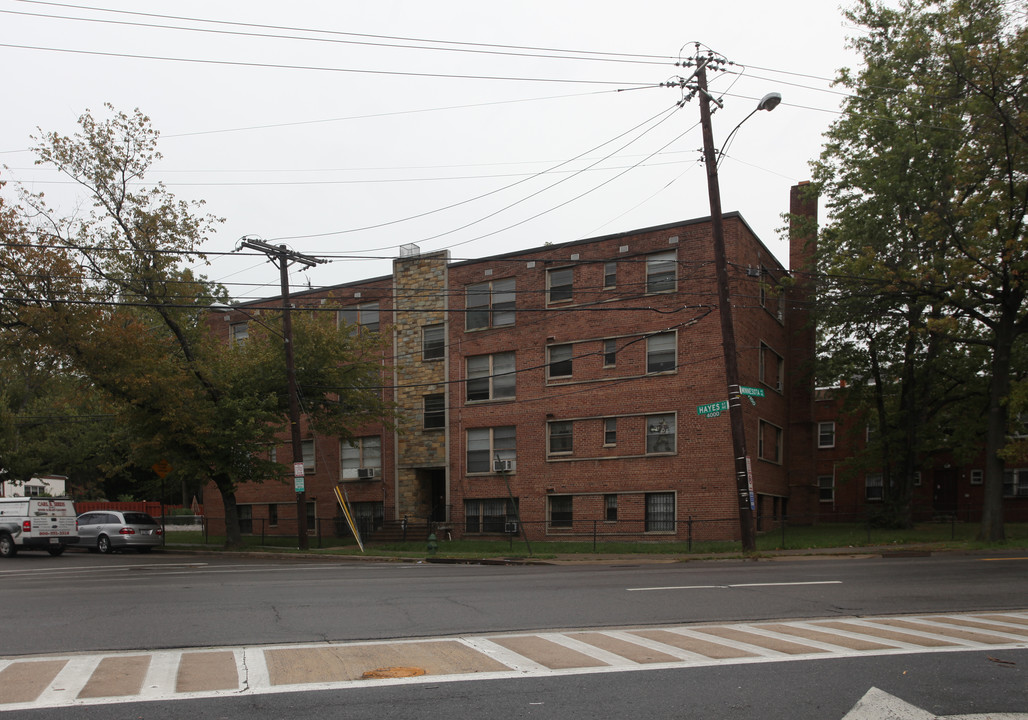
(297,469)
(755,392)
(162,468)
(298,483)
(712,409)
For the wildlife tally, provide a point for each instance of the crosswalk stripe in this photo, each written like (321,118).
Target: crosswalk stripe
(107,678)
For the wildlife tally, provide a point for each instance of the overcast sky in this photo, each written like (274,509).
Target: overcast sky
(345,129)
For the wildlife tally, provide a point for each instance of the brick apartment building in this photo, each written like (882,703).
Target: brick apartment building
(851,486)
(559,387)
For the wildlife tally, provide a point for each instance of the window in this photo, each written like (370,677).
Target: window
(433,342)
(661,272)
(435,411)
(560,284)
(239,332)
(977,477)
(490,304)
(273,515)
(610,274)
(660,512)
(1015,483)
(365,453)
(365,316)
(491,377)
(560,361)
(917,478)
(560,437)
(561,510)
(826,434)
(769,442)
(661,352)
(874,487)
(610,508)
(245,513)
(32,491)
(490,515)
(610,353)
(660,433)
(308,455)
(488,444)
(826,488)
(772,368)
(610,432)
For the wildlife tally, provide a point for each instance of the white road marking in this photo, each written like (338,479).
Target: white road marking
(254,677)
(737,585)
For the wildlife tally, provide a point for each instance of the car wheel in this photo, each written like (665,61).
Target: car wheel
(103,544)
(7,547)
(55,551)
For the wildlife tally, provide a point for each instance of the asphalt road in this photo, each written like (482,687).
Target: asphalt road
(81,602)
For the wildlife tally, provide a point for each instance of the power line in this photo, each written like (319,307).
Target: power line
(351,34)
(321,68)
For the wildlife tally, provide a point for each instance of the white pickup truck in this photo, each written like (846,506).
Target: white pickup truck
(37,523)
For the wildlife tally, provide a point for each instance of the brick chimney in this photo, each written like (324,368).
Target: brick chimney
(800,297)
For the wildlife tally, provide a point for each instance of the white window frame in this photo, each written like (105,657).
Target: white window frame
(772,377)
(494,448)
(779,442)
(555,280)
(874,487)
(658,346)
(364,452)
(239,332)
(484,367)
(566,435)
(823,487)
(977,477)
(822,427)
(309,451)
(656,272)
(569,348)
(366,316)
(657,426)
(433,348)
(499,308)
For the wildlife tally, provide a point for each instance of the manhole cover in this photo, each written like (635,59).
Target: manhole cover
(393,672)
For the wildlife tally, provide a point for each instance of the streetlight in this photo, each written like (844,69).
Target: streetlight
(743,481)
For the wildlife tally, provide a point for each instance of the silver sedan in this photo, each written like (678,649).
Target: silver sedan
(109,530)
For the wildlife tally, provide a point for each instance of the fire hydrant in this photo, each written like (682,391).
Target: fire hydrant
(432,544)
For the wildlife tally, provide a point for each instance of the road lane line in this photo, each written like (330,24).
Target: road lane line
(736,585)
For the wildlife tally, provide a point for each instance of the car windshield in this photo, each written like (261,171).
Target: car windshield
(139,519)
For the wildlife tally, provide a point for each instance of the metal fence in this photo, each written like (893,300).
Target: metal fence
(692,533)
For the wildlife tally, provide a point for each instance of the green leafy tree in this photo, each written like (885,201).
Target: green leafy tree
(108,295)
(926,176)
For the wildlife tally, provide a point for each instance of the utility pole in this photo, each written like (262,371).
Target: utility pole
(283,257)
(735,416)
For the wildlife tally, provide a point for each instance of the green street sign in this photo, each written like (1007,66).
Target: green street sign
(712,409)
(755,392)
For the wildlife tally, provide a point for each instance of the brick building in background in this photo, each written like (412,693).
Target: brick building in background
(559,387)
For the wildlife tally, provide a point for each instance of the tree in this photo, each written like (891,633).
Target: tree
(106,294)
(926,175)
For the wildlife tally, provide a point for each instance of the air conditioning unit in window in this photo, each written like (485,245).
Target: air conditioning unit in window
(502,466)
(366,473)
